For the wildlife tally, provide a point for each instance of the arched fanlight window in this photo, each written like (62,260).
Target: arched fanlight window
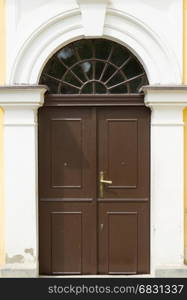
(94,66)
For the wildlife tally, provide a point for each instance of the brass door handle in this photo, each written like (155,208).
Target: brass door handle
(106,181)
(101,182)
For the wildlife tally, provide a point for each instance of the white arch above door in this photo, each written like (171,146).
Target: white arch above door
(155,55)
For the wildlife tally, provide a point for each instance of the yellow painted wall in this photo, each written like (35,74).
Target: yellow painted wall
(185,121)
(185,186)
(2,249)
(2,41)
(2,81)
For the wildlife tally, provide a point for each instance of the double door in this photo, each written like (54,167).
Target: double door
(94,190)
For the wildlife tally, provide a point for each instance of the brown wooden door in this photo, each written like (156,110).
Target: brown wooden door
(83,231)
(123,147)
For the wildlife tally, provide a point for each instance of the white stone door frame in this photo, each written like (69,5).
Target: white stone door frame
(20,104)
(167,178)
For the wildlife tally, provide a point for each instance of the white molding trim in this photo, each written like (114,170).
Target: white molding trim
(27,124)
(93,16)
(146,45)
(155,55)
(168,124)
(172,95)
(22,96)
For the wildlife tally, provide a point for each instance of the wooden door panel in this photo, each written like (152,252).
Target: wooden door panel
(122,135)
(68,238)
(66,154)
(124,152)
(122,230)
(124,208)
(123,238)
(67,190)
(66,159)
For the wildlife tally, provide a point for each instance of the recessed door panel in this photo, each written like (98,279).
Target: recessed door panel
(67,152)
(68,238)
(123,238)
(122,242)
(124,152)
(66,234)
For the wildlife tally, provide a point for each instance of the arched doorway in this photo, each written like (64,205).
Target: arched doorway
(94,162)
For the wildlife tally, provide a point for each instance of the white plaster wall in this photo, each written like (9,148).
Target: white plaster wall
(163,18)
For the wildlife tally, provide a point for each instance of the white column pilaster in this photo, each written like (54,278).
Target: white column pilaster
(167,173)
(20,104)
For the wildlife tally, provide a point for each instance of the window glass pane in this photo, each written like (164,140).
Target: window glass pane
(72,79)
(84,49)
(51,83)
(102,49)
(108,72)
(99,67)
(115,79)
(122,89)
(79,71)
(65,89)
(87,68)
(88,88)
(100,88)
(119,55)
(67,56)
(136,84)
(133,68)
(54,68)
